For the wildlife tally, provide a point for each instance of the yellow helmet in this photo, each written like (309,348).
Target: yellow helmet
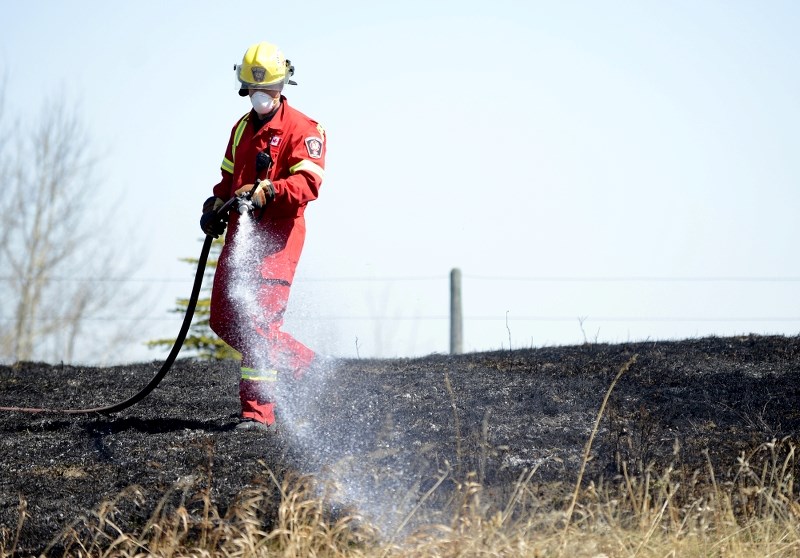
(263,67)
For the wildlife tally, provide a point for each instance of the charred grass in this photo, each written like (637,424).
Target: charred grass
(660,449)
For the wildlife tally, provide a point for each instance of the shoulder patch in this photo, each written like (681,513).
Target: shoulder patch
(314,147)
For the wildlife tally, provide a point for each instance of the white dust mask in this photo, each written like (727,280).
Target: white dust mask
(263,103)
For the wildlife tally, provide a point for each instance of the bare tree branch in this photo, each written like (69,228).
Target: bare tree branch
(53,230)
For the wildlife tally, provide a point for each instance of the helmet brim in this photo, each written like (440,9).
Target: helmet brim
(244,90)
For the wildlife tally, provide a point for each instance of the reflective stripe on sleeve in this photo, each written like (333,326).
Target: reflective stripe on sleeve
(237,136)
(309,166)
(227,164)
(254,375)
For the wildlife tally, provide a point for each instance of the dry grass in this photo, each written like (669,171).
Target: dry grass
(755,514)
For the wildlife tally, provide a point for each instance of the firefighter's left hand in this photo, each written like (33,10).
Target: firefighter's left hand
(264,194)
(210,222)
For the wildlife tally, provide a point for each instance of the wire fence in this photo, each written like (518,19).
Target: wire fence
(539,279)
(171,316)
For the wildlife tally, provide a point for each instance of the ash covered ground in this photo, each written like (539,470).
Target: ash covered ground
(385,431)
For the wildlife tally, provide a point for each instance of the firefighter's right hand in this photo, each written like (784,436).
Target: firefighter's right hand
(261,195)
(210,222)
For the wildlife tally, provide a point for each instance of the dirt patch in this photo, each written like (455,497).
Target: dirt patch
(385,431)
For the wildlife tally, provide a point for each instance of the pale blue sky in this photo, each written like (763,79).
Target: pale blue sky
(515,140)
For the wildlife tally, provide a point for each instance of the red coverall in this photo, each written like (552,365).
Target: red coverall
(297,147)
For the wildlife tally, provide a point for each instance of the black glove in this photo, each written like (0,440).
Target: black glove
(210,222)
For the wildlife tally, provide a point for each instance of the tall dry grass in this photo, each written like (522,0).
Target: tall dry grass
(666,512)
(754,514)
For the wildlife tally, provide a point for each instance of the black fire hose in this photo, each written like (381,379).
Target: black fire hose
(176,347)
(243,203)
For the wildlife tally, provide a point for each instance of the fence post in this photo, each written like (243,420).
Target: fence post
(456,323)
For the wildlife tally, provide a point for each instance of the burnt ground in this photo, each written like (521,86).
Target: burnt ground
(384,431)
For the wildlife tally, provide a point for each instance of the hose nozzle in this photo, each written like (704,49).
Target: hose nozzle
(244,205)
(245,201)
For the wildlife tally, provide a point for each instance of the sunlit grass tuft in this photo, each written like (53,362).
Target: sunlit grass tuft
(755,513)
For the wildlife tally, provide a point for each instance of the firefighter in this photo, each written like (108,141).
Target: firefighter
(289,180)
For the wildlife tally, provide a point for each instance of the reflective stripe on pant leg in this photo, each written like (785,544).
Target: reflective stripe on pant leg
(257,394)
(253,375)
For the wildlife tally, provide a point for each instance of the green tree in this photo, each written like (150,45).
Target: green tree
(201,342)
